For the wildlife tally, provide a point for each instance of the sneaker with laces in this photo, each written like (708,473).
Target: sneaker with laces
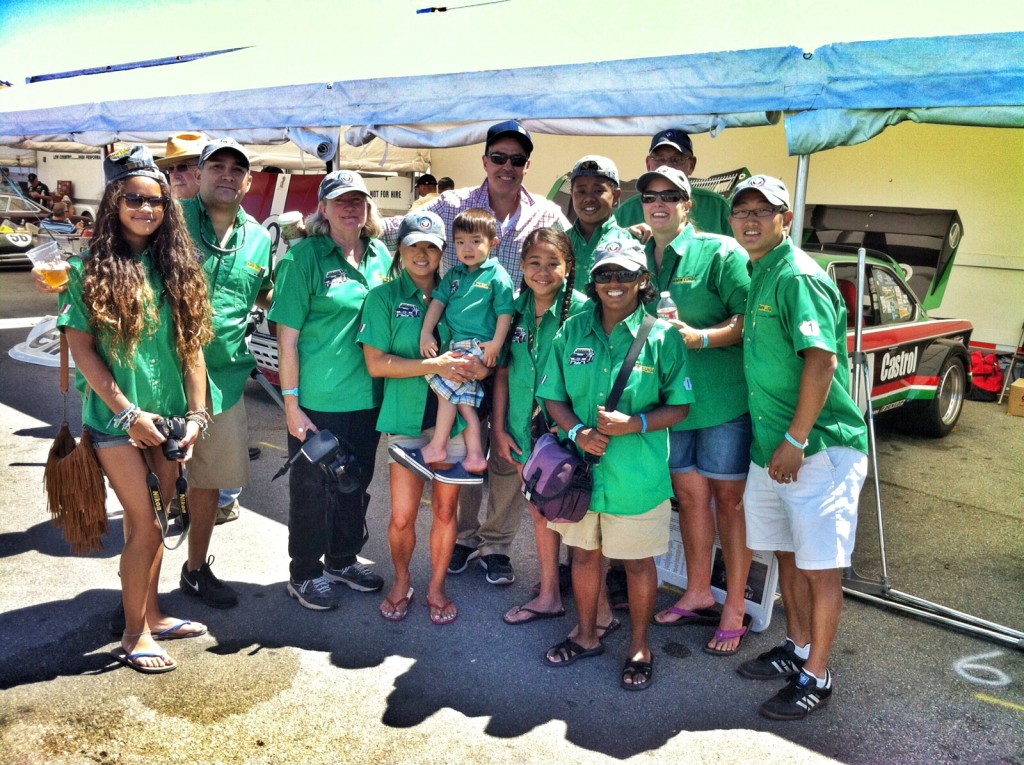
(499,569)
(315,594)
(355,575)
(461,556)
(781,661)
(799,698)
(202,583)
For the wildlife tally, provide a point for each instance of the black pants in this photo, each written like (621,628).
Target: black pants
(326,527)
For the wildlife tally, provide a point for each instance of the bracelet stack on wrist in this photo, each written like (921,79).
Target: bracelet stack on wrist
(127,417)
(200,417)
(797,444)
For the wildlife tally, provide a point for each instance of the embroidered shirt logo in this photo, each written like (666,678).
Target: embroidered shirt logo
(407,311)
(763,308)
(581,356)
(338,276)
(519,335)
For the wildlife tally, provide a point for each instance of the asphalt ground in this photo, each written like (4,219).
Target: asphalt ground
(275,683)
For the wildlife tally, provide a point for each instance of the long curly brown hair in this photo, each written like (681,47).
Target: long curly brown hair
(117,292)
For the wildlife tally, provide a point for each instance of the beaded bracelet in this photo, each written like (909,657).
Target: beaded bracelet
(127,417)
(200,417)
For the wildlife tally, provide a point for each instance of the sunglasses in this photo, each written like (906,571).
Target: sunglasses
(500,158)
(137,201)
(184,167)
(650,197)
(623,277)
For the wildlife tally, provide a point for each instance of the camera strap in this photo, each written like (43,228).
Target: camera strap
(181,494)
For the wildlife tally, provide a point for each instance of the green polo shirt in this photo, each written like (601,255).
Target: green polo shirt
(236,278)
(475,299)
(320,294)
(528,354)
(584,250)
(793,306)
(710,212)
(632,477)
(153,379)
(708,279)
(392,319)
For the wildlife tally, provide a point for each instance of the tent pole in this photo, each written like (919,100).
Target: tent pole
(803,165)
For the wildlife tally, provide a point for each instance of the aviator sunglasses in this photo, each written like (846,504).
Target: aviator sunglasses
(500,158)
(136,201)
(622,277)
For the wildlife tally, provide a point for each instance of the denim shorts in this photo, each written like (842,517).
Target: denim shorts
(721,451)
(106,440)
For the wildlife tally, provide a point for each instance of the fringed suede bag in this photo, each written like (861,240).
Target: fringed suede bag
(75,491)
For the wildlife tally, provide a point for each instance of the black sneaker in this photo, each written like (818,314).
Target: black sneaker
(799,698)
(315,594)
(203,584)
(780,661)
(461,556)
(355,575)
(499,569)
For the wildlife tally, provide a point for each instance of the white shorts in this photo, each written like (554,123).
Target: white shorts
(815,516)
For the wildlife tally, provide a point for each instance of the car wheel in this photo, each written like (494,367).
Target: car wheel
(939,415)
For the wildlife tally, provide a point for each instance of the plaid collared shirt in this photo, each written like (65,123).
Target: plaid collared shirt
(533,213)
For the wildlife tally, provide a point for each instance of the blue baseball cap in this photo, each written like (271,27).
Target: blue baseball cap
(677,139)
(422,226)
(222,144)
(131,161)
(513,129)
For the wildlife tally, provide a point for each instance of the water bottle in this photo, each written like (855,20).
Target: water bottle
(666,307)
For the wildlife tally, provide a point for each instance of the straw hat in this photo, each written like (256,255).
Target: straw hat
(181,147)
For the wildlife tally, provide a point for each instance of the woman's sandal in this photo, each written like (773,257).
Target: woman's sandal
(437,612)
(399,608)
(634,670)
(569,651)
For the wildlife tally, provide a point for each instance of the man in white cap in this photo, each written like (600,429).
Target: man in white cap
(809,455)
(181,163)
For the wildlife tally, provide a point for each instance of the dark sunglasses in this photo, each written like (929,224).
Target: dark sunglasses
(500,158)
(184,167)
(623,277)
(136,201)
(650,197)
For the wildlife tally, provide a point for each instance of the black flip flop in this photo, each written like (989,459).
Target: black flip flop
(643,669)
(535,616)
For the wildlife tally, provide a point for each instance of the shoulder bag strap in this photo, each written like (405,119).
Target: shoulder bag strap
(630,361)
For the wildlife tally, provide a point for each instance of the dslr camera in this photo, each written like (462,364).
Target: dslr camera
(335,459)
(173,429)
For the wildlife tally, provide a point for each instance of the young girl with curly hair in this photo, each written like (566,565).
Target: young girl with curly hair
(137,315)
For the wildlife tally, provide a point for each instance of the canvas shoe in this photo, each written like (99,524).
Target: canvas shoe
(799,698)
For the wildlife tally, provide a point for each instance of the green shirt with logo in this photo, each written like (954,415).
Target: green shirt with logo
(710,212)
(584,250)
(633,476)
(528,354)
(321,294)
(475,299)
(152,379)
(707,277)
(794,306)
(392,319)
(237,272)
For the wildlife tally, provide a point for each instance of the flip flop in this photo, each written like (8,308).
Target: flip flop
(635,669)
(721,635)
(397,611)
(438,618)
(131,660)
(411,459)
(572,651)
(703,616)
(172,633)
(609,628)
(534,615)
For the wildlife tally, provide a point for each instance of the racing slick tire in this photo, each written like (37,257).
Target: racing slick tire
(936,418)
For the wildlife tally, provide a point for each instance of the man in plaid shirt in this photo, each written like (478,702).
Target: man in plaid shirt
(518,212)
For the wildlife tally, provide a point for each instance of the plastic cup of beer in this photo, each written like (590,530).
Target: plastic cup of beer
(47,260)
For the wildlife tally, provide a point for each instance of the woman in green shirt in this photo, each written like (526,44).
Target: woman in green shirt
(136,316)
(393,317)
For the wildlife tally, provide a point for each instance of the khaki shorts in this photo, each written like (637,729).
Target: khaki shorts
(622,537)
(221,459)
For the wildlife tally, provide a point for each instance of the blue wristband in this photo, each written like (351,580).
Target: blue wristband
(797,444)
(575,431)
(290,392)
(643,422)
(706,340)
